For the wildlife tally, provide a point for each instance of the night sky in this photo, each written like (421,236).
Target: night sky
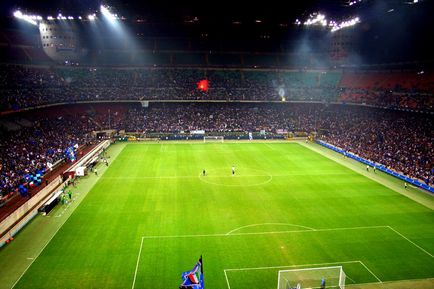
(392,30)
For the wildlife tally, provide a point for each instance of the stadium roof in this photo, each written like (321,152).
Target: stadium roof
(395,30)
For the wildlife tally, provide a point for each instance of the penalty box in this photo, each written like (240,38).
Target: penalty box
(230,259)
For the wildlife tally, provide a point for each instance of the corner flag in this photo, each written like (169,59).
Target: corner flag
(193,279)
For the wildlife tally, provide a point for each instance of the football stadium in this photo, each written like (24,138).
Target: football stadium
(217,144)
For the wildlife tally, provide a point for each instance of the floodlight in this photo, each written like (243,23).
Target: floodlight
(28,18)
(18,14)
(105,11)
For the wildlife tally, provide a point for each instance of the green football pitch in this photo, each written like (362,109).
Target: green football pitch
(151,214)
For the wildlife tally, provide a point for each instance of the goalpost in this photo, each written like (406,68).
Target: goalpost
(213,139)
(324,277)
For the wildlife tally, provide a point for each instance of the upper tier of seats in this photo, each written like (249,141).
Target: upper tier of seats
(396,81)
(29,86)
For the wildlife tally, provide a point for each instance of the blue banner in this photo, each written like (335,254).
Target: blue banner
(70,153)
(380,167)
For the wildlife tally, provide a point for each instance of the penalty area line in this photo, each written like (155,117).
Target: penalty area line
(137,263)
(416,245)
(261,233)
(370,271)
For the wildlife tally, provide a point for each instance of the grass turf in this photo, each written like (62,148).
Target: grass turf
(151,215)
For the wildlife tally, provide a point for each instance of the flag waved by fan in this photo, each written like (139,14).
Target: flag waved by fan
(193,279)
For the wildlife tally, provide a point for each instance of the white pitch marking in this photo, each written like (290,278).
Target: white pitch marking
(33,260)
(390,282)
(291,266)
(271,147)
(55,233)
(422,249)
(261,233)
(346,276)
(227,280)
(221,176)
(279,224)
(369,270)
(137,264)
(270,178)
(303,265)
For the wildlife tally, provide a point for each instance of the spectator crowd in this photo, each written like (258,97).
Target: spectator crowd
(401,140)
(29,86)
(33,146)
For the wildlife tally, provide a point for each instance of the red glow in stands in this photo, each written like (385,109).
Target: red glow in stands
(203,85)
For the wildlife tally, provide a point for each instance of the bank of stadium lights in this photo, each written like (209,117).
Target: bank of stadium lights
(106,13)
(61,17)
(332,24)
(354,2)
(32,19)
(91,17)
(316,19)
(412,2)
(345,24)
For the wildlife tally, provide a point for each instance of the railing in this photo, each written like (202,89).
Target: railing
(27,211)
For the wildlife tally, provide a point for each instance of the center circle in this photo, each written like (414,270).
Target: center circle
(243,177)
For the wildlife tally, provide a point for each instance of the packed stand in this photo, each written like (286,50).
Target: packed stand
(402,141)
(414,91)
(33,146)
(27,86)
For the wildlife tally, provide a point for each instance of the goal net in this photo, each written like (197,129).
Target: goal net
(213,139)
(324,277)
